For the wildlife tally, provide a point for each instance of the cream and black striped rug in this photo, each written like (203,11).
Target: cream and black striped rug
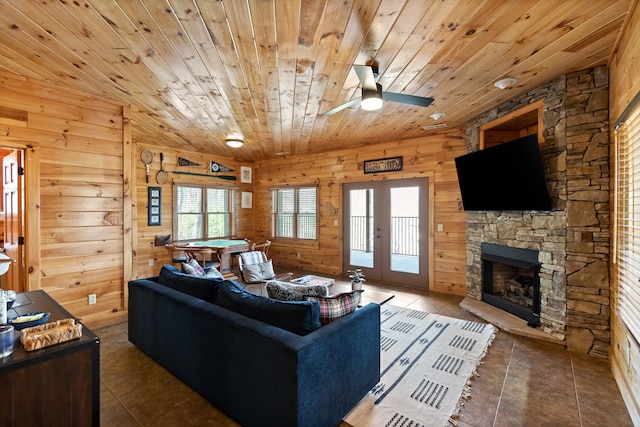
(426,363)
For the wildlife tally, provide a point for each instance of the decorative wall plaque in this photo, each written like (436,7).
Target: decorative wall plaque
(155,206)
(391,164)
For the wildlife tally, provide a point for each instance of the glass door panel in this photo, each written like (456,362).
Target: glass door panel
(405,229)
(361,250)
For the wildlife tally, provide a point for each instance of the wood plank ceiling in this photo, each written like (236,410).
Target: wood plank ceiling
(196,72)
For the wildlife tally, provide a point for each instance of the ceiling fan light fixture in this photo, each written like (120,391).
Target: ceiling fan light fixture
(505,83)
(371,99)
(234,142)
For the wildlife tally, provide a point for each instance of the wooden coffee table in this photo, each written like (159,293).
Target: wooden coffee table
(369,295)
(311,279)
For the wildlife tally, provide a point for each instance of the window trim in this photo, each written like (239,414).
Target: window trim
(204,212)
(294,241)
(626,189)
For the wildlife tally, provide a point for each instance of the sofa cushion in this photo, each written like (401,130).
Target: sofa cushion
(336,306)
(299,317)
(254,273)
(289,292)
(213,273)
(205,288)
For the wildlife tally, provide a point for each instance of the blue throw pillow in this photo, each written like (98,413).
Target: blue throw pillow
(201,287)
(299,317)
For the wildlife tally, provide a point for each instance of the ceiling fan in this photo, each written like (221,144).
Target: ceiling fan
(372,94)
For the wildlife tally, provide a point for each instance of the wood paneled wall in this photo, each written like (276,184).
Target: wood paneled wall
(76,192)
(430,156)
(144,248)
(624,86)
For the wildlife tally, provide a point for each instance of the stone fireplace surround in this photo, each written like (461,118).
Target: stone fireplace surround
(573,237)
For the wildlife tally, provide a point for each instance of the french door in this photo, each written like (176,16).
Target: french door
(386,230)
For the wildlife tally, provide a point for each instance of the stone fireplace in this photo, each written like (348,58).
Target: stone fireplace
(572,239)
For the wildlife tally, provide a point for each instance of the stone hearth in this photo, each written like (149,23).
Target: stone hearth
(573,237)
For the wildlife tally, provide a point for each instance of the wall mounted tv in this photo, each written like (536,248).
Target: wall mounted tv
(505,177)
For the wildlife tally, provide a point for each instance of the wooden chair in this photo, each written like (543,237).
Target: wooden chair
(176,255)
(262,246)
(182,254)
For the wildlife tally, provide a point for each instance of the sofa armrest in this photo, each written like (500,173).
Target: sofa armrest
(337,365)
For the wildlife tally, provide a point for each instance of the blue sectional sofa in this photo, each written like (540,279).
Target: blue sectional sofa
(256,372)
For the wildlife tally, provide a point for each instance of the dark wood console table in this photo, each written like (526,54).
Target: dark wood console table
(56,385)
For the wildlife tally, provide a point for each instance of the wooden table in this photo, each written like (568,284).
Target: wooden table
(369,295)
(56,385)
(311,279)
(223,248)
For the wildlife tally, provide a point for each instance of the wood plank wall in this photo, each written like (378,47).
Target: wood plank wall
(93,212)
(75,199)
(624,86)
(144,248)
(430,156)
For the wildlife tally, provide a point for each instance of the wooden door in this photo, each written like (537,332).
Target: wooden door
(12,174)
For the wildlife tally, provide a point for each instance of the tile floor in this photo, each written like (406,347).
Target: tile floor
(523,382)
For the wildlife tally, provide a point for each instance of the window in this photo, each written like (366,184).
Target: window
(626,228)
(294,212)
(202,213)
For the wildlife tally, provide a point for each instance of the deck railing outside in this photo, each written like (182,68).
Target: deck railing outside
(403,231)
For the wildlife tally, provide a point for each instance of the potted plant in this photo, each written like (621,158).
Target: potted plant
(357,277)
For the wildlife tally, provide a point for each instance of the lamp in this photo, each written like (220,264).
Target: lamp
(437,116)
(234,143)
(505,83)
(371,99)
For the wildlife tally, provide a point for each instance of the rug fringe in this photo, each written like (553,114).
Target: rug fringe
(466,391)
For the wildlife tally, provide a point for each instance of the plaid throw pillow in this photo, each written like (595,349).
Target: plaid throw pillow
(192,268)
(334,307)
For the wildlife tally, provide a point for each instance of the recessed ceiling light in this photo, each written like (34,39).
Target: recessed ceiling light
(437,116)
(234,143)
(505,83)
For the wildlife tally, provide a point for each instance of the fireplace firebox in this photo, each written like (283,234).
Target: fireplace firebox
(511,281)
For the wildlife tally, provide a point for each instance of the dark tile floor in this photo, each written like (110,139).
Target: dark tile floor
(523,382)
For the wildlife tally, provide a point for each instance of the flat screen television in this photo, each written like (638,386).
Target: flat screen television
(506,177)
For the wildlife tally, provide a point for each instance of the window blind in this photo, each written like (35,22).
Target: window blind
(202,212)
(294,212)
(627,218)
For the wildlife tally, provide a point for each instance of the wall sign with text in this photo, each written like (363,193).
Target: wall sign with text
(391,164)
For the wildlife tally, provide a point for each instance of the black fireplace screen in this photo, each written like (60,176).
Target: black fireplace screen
(511,281)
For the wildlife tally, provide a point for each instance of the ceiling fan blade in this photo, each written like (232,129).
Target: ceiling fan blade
(407,99)
(365,74)
(342,107)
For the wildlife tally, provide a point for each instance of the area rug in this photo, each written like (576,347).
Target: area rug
(426,363)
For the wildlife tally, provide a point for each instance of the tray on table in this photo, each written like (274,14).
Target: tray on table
(51,333)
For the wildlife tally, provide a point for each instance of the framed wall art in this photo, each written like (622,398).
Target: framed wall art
(245,174)
(155,206)
(247,199)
